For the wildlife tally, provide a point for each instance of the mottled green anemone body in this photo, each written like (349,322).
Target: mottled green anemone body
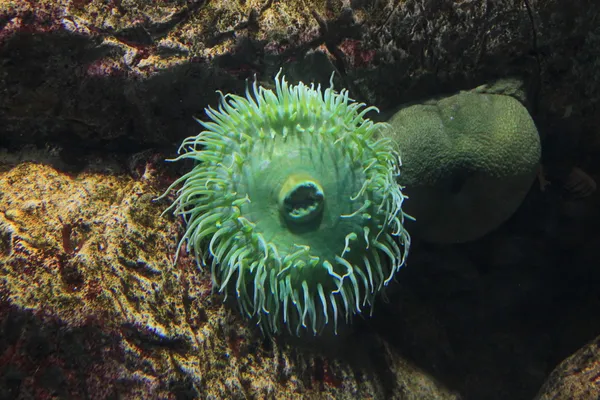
(295,199)
(470,160)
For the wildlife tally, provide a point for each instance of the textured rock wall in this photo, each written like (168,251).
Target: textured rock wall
(127,74)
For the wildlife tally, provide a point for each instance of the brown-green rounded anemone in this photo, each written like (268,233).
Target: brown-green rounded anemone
(294,197)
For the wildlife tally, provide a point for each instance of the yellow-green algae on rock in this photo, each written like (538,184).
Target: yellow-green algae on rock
(90,297)
(468,161)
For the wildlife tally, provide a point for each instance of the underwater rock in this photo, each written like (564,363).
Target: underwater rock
(577,377)
(92,305)
(128,75)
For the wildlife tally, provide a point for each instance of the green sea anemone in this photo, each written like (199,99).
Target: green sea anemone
(294,202)
(471,159)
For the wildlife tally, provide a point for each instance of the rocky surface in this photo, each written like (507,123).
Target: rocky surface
(123,75)
(577,377)
(90,303)
(91,306)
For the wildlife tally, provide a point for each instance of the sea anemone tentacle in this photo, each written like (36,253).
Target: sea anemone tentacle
(294,197)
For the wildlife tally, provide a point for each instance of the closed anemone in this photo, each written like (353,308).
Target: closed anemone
(293,202)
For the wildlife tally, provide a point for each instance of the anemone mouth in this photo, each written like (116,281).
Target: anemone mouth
(301,200)
(297,202)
